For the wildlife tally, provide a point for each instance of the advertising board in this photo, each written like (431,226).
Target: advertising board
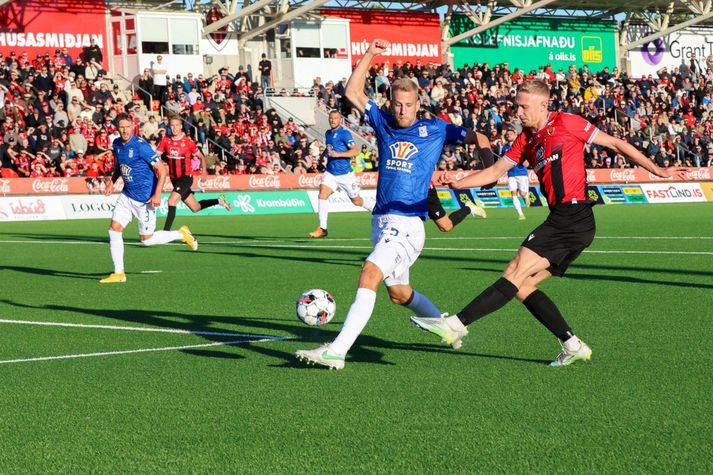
(42,26)
(673,192)
(413,35)
(339,201)
(618,194)
(249,203)
(31,208)
(671,50)
(528,43)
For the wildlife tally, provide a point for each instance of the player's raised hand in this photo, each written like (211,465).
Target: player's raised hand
(378,46)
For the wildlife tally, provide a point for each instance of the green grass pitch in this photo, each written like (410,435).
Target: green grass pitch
(642,298)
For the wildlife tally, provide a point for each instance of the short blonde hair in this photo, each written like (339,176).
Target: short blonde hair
(535,86)
(404,84)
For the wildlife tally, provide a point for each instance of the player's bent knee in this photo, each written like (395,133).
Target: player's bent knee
(524,291)
(146,240)
(400,295)
(371,276)
(116,227)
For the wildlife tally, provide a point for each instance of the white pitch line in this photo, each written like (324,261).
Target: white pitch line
(280,244)
(480,249)
(139,329)
(142,350)
(297,240)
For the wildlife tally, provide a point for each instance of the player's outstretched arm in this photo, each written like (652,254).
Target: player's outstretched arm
(162,170)
(355,86)
(633,155)
(201,157)
(109,185)
(351,152)
(484,177)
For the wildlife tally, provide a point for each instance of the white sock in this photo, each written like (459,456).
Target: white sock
(572,343)
(455,323)
(369,204)
(323,212)
(516,202)
(359,314)
(422,307)
(162,237)
(116,249)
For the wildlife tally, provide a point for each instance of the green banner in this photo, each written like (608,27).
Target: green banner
(529,43)
(247,202)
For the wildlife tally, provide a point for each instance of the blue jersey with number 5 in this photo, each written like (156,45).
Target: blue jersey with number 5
(407,158)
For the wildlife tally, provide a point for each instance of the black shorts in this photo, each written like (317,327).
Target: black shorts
(183,185)
(435,208)
(568,230)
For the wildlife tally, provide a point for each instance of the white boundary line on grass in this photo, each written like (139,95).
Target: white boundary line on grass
(282,245)
(138,329)
(249,338)
(298,240)
(142,350)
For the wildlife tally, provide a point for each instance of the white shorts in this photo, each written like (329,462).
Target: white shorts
(127,209)
(398,241)
(346,182)
(519,183)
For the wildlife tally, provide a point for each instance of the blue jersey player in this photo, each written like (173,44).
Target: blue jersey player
(135,162)
(518,181)
(408,151)
(339,175)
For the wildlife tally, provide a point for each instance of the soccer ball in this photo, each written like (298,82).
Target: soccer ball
(316,307)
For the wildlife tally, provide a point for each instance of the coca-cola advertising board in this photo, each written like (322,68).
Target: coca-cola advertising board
(413,35)
(80,185)
(43,26)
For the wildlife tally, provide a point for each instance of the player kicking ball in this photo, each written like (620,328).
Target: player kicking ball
(408,151)
(177,151)
(135,162)
(339,174)
(553,143)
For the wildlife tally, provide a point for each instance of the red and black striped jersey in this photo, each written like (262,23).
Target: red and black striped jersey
(556,154)
(178,154)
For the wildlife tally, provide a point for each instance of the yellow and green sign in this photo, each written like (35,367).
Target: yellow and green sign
(530,43)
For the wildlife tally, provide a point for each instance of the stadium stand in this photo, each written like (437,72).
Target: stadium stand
(57,122)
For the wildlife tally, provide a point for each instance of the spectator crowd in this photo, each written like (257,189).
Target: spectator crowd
(57,113)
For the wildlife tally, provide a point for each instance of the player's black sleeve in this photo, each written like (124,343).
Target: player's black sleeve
(116,174)
(486,156)
(435,209)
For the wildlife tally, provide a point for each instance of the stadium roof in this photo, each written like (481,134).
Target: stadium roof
(251,18)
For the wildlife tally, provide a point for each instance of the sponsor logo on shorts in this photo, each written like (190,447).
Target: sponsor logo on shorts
(531,237)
